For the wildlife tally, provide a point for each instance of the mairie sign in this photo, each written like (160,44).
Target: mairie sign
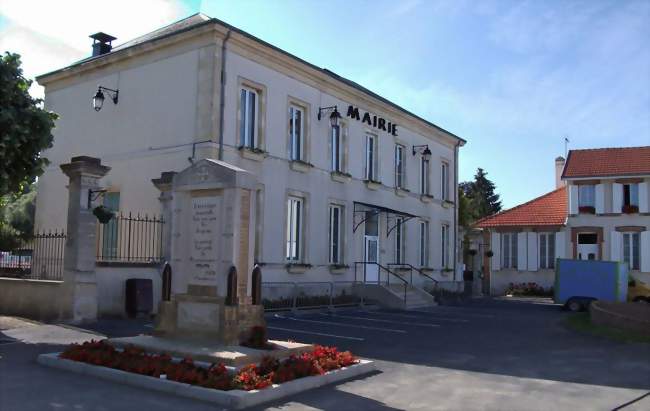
(377,122)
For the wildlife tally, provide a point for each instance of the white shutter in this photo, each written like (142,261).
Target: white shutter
(615,246)
(573,199)
(560,245)
(644,252)
(533,252)
(643,199)
(521,251)
(600,198)
(617,196)
(495,247)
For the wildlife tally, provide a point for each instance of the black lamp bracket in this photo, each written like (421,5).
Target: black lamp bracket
(325,109)
(421,146)
(113,93)
(94,195)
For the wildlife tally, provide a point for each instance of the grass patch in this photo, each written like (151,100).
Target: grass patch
(582,323)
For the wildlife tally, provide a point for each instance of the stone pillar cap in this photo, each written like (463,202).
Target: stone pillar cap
(85,165)
(164,182)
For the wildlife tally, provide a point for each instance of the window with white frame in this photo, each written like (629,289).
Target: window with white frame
(631,195)
(547,250)
(335,234)
(337,149)
(586,195)
(444,181)
(248,103)
(399,166)
(399,240)
(509,250)
(444,241)
(631,243)
(296,132)
(424,243)
(371,157)
(294,229)
(424,176)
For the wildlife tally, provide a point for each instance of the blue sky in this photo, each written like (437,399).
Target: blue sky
(512,78)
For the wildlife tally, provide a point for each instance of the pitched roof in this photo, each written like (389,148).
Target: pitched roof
(547,210)
(608,162)
(199,19)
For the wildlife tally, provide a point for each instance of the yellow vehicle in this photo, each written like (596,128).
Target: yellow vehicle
(638,291)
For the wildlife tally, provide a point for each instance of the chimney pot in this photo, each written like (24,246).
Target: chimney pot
(101,43)
(559,168)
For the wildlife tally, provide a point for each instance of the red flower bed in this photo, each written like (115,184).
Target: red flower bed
(251,377)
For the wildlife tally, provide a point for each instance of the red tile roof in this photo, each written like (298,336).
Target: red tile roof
(547,210)
(608,162)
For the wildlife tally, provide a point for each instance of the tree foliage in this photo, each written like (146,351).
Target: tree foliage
(17,217)
(25,128)
(478,198)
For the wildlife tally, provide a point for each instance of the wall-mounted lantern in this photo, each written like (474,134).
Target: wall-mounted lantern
(334,117)
(98,98)
(424,149)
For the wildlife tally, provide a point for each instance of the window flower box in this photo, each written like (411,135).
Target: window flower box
(587,210)
(372,184)
(426,198)
(630,209)
(401,191)
(338,268)
(252,153)
(300,166)
(298,268)
(447,204)
(340,177)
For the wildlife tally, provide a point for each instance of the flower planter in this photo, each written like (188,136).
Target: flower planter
(340,177)
(630,209)
(587,210)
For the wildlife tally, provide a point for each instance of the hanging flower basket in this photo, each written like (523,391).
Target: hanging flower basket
(103,214)
(472,252)
(489,253)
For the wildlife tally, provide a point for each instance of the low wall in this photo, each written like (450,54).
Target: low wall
(627,316)
(111,286)
(500,280)
(35,299)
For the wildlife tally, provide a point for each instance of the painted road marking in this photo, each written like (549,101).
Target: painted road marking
(365,327)
(456,312)
(352,317)
(316,333)
(455,320)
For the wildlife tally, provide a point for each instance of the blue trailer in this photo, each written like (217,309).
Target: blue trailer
(579,282)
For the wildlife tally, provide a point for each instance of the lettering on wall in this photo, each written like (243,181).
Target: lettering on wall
(372,120)
(204,251)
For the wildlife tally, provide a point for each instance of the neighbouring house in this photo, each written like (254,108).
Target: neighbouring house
(598,211)
(347,176)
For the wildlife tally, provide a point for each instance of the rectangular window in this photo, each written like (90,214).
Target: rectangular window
(371,157)
(547,250)
(337,151)
(399,166)
(586,195)
(424,243)
(296,133)
(444,181)
(509,250)
(444,241)
(335,231)
(631,194)
(631,250)
(424,176)
(294,229)
(248,122)
(399,240)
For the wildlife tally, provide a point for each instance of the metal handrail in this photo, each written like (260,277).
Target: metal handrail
(389,272)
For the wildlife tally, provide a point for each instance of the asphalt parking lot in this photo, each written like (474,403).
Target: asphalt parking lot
(487,355)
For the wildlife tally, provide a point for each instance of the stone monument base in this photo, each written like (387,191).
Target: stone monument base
(209,351)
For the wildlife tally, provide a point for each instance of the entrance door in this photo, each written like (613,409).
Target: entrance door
(588,246)
(371,256)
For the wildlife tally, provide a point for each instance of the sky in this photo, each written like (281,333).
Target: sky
(513,78)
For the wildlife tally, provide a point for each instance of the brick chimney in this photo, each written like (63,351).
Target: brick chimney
(101,43)
(559,167)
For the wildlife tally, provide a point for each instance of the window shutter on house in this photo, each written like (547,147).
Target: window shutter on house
(495,247)
(617,196)
(560,245)
(600,198)
(532,252)
(573,199)
(645,251)
(643,200)
(616,244)
(521,251)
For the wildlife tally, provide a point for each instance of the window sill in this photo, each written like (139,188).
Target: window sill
(426,198)
(446,271)
(338,268)
(426,269)
(447,204)
(254,154)
(340,177)
(297,268)
(401,192)
(372,184)
(300,166)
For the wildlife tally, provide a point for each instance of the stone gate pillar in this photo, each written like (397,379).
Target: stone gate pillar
(80,246)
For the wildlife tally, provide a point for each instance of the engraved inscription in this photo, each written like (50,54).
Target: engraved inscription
(204,236)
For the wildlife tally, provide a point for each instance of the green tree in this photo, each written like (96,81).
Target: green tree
(17,217)
(481,196)
(25,129)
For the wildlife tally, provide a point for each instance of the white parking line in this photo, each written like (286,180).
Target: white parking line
(454,320)
(315,333)
(351,317)
(365,327)
(456,312)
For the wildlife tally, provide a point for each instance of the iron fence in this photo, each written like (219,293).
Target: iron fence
(39,257)
(130,239)
(283,296)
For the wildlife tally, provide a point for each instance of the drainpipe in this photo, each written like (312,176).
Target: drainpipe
(222,92)
(456,205)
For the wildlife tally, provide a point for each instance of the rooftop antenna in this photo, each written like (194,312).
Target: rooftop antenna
(566,146)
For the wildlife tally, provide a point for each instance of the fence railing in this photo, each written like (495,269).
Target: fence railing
(40,257)
(282,296)
(130,239)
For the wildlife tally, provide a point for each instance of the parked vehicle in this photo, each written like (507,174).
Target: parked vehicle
(638,291)
(579,282)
